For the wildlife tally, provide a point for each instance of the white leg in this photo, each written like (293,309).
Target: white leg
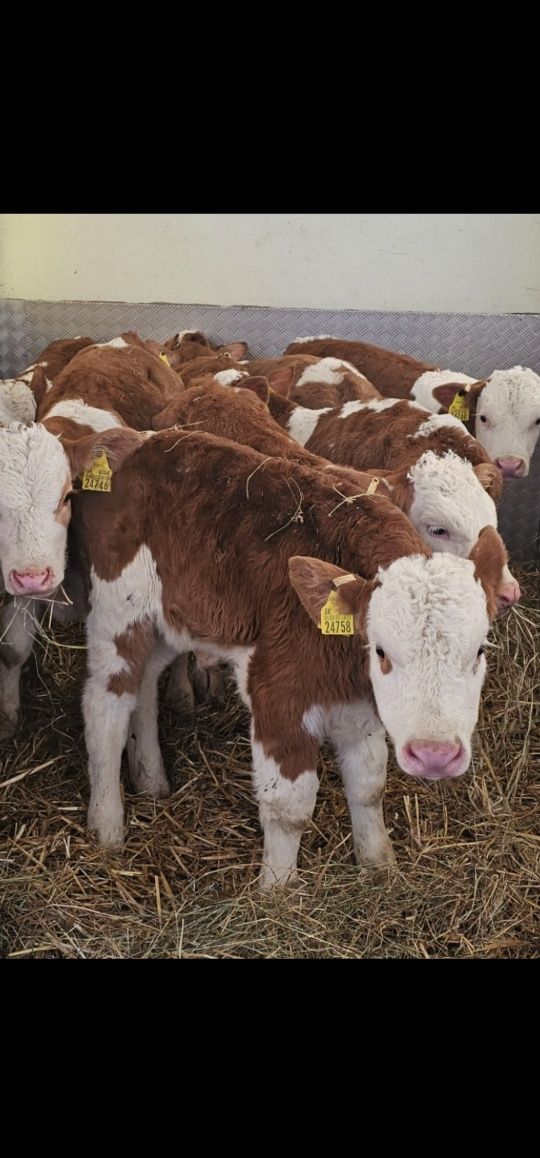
(359,741)
(106,719)
(17,631)
(146,770)
(285,808)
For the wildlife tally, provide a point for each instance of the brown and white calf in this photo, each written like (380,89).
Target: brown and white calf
(313,382)
(108,385)
(105,386)
(20,396)
(502,410)
(447,499)
(231,571)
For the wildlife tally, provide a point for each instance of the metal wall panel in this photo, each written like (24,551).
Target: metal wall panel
(474,343)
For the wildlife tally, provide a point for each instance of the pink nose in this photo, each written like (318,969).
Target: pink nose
(509,594)
(434,760)
(511,467)
(28,582)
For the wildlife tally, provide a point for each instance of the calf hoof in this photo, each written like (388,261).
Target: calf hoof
(381,857)
(272,878)
(145,780)
(108,830)
(9,723)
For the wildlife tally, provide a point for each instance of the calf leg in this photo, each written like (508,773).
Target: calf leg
(286,803)
(146,770)
(116,665)
(17,631)
(358,739)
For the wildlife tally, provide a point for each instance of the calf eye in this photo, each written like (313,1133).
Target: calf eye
(483,418)
(68,497)
(537,423)
(440,531)
(480,652)
(380,652)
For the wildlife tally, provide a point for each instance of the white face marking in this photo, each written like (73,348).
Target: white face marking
(423,388)
(79,411)
(507,414)
(117,344)
(429,617)
(302,422)
(17,402)
(449,498)
(331,371)
(436,422)
(377,405)
(34,470)
(227,377)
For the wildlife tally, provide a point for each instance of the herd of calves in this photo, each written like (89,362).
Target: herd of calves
(325,522)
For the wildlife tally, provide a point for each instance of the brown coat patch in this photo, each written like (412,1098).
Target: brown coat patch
(134,646)
(58,353)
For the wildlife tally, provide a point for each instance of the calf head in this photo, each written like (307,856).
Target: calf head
(37,469)
(35,509)
(506,413)
(425,620)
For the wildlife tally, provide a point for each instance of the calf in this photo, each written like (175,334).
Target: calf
(313,382)
(384,433)
(36,488)
(20,396)
(111,384)
(190,344)
(191,567)
(502,410)
(105,386)
(445,496)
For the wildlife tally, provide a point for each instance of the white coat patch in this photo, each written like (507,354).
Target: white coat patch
(423,388)
(80,412)
(227,377)
(302,422)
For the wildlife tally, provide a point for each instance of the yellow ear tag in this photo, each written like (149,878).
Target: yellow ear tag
(333,621)
(98,476)
(459,408)
(165,359)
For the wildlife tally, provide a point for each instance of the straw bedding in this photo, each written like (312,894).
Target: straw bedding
(468,852)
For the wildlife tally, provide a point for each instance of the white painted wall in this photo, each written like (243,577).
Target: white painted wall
(452,262)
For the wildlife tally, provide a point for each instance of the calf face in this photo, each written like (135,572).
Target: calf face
(508,419)
(35,492)
(425,621)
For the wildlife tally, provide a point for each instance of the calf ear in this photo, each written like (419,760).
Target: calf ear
(132,338)
(401,487)
(489,557)
(196,336)
(446,393)
(117,443)
(313,580)
(491,479)
(38,385)
(237,350)
(281,380)
(258,385)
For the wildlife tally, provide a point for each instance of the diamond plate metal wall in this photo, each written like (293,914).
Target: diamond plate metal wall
(474,343)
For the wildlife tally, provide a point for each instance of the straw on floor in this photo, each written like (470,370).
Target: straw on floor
(468,852)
